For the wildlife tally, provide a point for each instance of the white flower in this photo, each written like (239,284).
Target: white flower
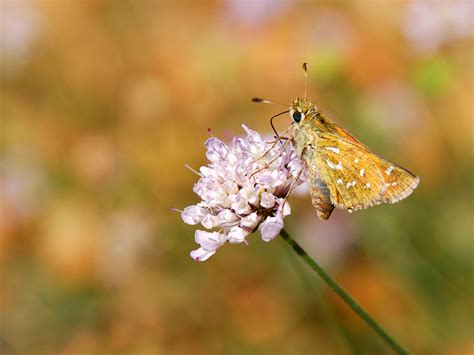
(244,188)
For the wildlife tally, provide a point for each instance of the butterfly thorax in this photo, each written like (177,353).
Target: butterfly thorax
(310,124)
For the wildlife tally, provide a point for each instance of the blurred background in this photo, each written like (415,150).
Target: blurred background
(104,102)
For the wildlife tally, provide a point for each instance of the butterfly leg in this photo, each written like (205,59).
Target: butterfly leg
(271,161)
(292,187)
(278,139)
(274,143)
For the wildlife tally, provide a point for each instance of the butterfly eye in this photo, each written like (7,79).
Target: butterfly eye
(297,116)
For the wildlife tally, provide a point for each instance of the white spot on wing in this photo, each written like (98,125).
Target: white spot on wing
(362,172)
(356,160)
(352,183)
(389,170)
(339,181)
(367,185)
(333,149)
(334,166)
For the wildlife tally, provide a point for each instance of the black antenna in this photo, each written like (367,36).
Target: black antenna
(265,101)
(273,127)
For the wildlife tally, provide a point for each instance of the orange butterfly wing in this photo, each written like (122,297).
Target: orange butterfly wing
(356,177)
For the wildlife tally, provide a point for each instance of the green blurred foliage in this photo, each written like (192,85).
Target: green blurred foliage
(432,76)
(104,102)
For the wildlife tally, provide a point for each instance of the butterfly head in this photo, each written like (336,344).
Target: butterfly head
(300,108)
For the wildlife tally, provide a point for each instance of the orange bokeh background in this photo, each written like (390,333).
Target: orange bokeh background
(104,102)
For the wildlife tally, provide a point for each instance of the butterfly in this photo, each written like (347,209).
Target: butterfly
(341,171)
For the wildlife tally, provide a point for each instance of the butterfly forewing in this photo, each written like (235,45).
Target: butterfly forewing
(356,177)
(399,182)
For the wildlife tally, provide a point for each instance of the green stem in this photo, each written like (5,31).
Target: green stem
(343,294)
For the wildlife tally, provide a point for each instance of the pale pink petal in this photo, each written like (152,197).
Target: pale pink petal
(230,187)
(251,221)
(267,200)
(286,208)
(193,214)
(201,254)
(237,235)
(252,135)
(271,178)
(241,207)
(207,172)
(209,240)
(271,227)
(295,166)
(227,217)
(216,149)
(210,221)
(249,194)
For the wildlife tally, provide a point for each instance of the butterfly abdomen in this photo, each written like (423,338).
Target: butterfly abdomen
(321,198)
(319,191)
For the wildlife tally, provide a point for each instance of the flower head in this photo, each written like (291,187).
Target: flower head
(243,188)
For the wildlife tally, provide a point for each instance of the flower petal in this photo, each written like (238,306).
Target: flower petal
(267,200)
(227,217)
(201,254)
(193,214)
(241,207)
(237,235)
(209,241)
(251,221)
(210,221)
(216,150)
(252,136)
(286,208)
(271,227)
(230,187)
